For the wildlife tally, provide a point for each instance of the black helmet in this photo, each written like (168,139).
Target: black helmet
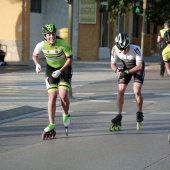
(167,36)
(122,41)
(167,23)
(48,28)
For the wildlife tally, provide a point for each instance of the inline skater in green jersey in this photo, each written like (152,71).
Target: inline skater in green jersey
(58,75)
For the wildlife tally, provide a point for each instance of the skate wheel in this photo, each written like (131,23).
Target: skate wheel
(114,127)
(51,135)
(111,127)
(43,136)
(66,131)
(138,126)
(118,127)
(54,134)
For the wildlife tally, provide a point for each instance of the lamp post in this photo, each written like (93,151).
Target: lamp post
(70,31)
(143,25)
(70,21)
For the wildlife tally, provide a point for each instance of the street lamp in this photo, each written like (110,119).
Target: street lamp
(70,21)
(70,32)
(143,25)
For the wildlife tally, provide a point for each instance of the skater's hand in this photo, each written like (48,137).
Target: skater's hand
(119,71)
(56,73)
(38,68)
(124,74)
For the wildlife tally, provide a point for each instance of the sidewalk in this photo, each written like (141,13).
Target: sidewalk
(23,90)
(152,62)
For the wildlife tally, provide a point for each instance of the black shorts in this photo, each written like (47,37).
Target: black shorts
(138,77)
(63,81)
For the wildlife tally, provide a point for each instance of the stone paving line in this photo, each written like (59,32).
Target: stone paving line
(23,91)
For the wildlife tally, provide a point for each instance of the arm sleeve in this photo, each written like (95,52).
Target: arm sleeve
(38,48)
(139,57)
(113,55)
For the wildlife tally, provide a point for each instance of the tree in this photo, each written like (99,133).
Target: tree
(116,7)
(157,12)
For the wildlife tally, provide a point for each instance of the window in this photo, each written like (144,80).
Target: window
(36,6)
(135,26)
(104,26)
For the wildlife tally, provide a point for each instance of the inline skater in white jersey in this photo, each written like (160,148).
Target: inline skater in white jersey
(58,75)
(133,66)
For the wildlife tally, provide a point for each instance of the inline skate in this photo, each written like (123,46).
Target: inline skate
(66,122)
(139,119)
(49,132)
(116,123)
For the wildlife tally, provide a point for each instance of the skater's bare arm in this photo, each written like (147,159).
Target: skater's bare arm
(138,67)
(114,67)
(35,58)
(67,63)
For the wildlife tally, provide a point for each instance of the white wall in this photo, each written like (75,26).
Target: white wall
(55,12)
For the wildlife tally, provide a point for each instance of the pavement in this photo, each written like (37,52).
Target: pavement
(90,144)
(23,91)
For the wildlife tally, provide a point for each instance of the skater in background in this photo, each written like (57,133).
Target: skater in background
(166,52)
(58,74)
(162,44)
(133,66)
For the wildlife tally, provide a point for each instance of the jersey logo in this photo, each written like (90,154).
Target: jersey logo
(137,51)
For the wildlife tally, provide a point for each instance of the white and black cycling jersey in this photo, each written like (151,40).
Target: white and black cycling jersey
(129,59)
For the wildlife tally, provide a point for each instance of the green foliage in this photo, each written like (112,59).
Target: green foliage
(157,13)
(117,7)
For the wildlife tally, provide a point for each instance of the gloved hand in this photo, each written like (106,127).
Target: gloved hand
(56,73)
(38,68)
(124,74)
(119,71)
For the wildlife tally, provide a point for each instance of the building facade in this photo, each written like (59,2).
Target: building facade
(92,34)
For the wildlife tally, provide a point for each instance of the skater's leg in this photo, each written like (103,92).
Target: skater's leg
(120,97)
(139,101)
(65,104)
(64,100)
(138,95)
(116,122)
(52,97)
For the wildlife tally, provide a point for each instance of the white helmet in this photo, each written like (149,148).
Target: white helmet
(122,41)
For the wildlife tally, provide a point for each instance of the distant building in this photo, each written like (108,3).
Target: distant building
(92,35)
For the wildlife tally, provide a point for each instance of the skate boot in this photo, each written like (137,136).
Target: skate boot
(169,137)
(49,132)
(66,122)
(116,123)
(139,119)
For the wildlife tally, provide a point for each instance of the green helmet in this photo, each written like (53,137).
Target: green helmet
(48,28)
(167,36)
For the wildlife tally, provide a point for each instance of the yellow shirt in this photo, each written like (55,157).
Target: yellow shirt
(162,32)
(166,54)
